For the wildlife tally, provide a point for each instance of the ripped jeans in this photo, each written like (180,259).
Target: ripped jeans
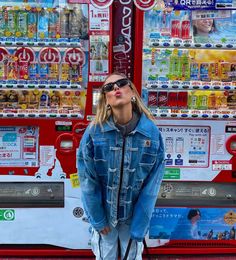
(105,247)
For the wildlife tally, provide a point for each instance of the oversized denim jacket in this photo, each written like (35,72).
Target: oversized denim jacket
(111,194)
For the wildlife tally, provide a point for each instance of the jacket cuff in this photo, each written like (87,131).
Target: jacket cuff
(100,225)
(139,239)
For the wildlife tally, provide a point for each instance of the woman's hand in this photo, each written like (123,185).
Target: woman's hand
(105,230)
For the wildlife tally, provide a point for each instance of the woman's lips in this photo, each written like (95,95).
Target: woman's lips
(118,94)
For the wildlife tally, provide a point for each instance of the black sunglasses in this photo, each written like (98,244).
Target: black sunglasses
(110,86)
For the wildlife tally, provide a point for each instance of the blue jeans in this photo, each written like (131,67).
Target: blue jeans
(105,247)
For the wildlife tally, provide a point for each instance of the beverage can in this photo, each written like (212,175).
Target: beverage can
(33,70)
(152,99)
(43,70)
(12,70)
(214,71)
(193,101)
(225,71)
(204,72)
(162,99)
(182,99)
(194,71)
(175,28)
(212,101)
(74,72)
(185,29)
(23,70)
(2,71)
(65,71)
(203,100)
(53,71)
(172,99)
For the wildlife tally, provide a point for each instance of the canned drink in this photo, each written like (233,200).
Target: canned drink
(43,70)
(2,70)
(152,99)
(162,99)
(65,71)
(182,99)
(185,29)
(175,28)
(33,70)
(53,71)
(74,72)
(194,71)
(12,70)
(172,99)
(233,71)
(23,70)
(225,71)
(21,24)
(214,71)
(44,101)
(204,71)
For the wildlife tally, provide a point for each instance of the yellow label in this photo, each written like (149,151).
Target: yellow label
(36,92)
(74,178)
(30,35)
(41,35)
(27,7)
(18,34)
(8,33)
(58,36)
(230,217)
(23,106)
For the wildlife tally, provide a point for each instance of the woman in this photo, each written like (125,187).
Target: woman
(202,28)
(120,167)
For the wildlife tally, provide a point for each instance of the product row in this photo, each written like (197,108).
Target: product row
(199,99)
(47,63)
(197,26)
(40,24)
(64,100)
(184,65)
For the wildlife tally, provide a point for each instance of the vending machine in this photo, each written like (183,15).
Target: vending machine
(186,50)
(53,57)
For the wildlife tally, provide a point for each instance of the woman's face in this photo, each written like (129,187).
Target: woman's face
(203,25)
(118,97)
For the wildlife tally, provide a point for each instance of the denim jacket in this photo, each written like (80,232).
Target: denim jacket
(120,176)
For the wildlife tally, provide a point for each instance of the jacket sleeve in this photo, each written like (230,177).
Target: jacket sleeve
(89,184)
(145,204)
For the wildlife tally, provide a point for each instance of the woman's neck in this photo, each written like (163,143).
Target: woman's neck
(122,117)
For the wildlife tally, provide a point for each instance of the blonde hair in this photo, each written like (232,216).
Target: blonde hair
(103,113)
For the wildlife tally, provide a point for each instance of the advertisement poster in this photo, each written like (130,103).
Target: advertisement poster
(19,146)
(186,146)
(193,224)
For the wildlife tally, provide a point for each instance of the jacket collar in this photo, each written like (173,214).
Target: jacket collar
(143,126)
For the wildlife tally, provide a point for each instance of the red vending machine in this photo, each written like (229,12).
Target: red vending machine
(52,54)
(186,50)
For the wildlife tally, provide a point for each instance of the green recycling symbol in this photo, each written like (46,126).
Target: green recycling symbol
(8,214)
